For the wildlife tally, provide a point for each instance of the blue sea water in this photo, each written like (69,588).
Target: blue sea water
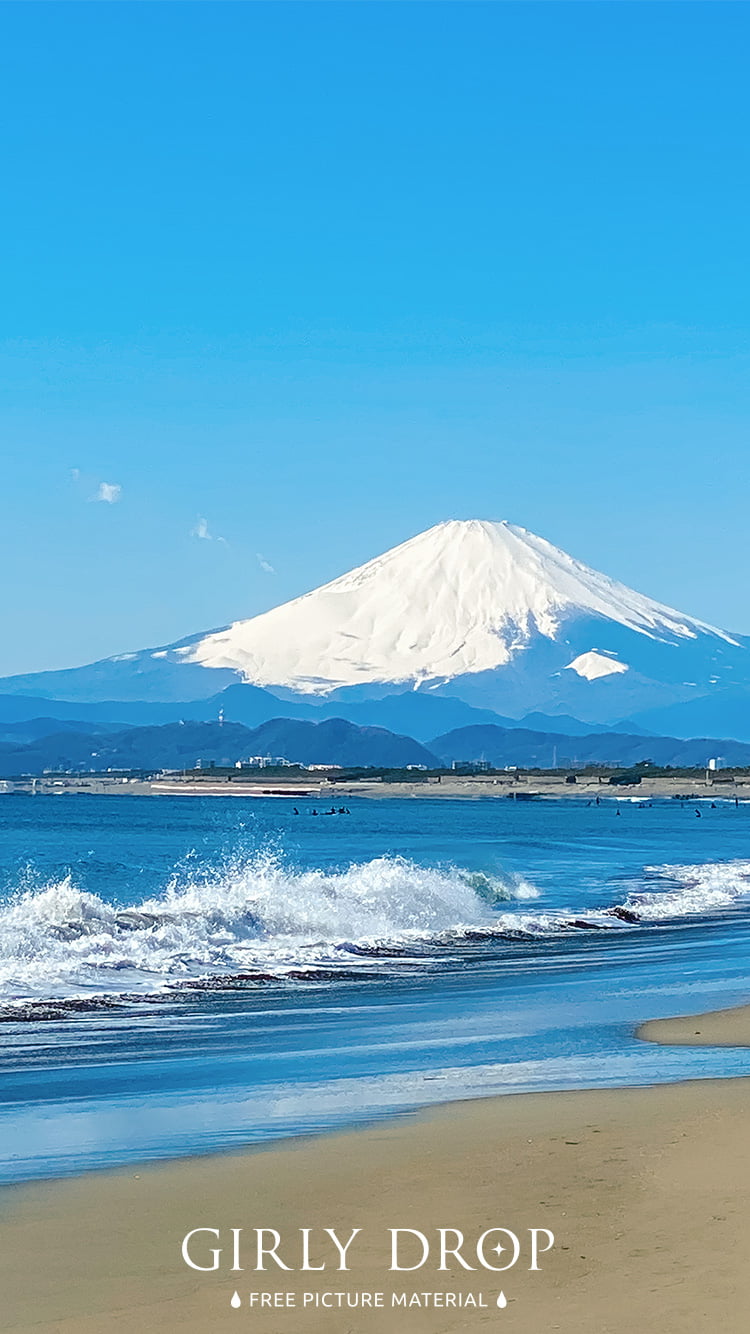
(184,974)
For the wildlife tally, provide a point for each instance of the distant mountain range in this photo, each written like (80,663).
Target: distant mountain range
(499,746)
(470,623)
(421,716)
(338,742)
(183,745)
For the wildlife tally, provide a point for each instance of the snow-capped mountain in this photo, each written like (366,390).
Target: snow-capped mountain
(462,598)
(485,612)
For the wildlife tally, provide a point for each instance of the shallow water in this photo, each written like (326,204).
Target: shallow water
(185,974)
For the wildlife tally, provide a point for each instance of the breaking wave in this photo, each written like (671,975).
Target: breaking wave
(246,915)
(256,919)
(693,890)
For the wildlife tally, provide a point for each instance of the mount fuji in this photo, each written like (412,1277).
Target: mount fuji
(485,613)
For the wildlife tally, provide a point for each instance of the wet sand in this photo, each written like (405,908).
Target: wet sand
(718,1028)
(647,1191)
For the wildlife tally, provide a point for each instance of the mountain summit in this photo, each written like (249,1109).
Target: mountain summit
(463,597)
(484,612)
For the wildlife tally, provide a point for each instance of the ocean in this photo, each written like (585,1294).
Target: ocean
(184,975)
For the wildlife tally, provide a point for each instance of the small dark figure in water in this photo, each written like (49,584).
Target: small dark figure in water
(617,812)
(713,805)
(296,812)
(698,814)
(736,801)
(598,801)
(314,811)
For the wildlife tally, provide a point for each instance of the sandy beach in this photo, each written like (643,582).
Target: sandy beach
(718,1028)
(585,788)
(316,789)
(646,1191)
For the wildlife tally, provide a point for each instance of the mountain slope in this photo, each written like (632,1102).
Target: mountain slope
(410,713)
(22,733)
(336,741)
(725,713)
(464,598)
(499,746)
(486,613)
(182,745)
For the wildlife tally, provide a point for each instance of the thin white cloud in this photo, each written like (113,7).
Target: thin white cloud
(108,492)
(204,534)
(265,565)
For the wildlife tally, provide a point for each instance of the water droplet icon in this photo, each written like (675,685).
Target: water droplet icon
(236,1301)
(502,1300)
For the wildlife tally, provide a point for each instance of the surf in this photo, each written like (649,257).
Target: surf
(250,919)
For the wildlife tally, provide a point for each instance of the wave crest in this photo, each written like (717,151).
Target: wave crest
(58,940)
(695,890)
(258,919)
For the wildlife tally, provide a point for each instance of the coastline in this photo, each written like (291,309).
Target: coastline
(716,1028)
(520,786)
(644,1189)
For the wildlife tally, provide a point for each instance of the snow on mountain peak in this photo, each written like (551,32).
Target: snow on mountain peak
(592,665)
(463,597)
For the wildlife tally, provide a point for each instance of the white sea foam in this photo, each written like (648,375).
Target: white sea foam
(254,914)
(693,890)
(259,917)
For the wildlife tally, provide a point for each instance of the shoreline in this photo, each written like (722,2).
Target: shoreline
(524,787)
(644,1189)
(714,1028)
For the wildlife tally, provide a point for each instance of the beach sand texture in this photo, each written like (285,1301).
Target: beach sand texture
(718,1028)
(647,1191)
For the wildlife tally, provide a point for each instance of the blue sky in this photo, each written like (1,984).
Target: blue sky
(309,278)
